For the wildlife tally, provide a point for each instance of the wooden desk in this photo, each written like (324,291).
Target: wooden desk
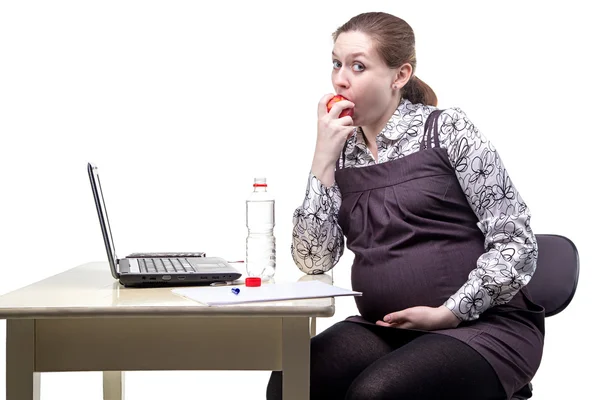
(83,320)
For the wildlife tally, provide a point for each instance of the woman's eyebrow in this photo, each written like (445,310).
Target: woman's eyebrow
(353,55)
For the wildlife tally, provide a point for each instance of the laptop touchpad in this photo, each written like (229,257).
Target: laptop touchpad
(208,267)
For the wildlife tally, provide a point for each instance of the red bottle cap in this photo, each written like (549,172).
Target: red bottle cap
(253,281)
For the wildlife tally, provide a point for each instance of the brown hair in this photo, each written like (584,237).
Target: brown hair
(395,42)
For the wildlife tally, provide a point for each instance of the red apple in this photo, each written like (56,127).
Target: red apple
(335,99)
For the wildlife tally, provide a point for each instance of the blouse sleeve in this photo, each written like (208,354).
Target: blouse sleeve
(510,253)
(317,239)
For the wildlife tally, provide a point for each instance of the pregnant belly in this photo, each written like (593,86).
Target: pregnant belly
(395,284)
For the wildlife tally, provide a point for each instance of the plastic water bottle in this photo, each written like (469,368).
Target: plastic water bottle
(260,221)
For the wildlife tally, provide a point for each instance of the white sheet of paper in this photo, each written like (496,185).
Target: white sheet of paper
(222,295)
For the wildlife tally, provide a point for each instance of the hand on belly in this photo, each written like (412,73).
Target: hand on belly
(424,318)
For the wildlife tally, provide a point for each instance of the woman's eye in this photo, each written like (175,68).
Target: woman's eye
(358,67)
(337,64)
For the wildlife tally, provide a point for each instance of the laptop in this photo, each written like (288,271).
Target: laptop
(157,269)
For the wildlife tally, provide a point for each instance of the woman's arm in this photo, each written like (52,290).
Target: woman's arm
(317,239)
(510,254)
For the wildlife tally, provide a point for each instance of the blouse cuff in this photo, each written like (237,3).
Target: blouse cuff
(468,302)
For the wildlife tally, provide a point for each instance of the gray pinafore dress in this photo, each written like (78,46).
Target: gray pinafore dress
(415,240)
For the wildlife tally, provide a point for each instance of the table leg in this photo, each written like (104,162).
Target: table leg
(113,385)
(296,358)
(22,382)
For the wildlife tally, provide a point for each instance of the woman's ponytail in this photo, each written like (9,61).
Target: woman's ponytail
(417,91)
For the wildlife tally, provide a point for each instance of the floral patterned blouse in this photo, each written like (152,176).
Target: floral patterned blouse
(509,259)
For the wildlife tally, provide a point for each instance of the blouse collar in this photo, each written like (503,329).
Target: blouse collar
(401,123)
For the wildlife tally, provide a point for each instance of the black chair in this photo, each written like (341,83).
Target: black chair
(554,282)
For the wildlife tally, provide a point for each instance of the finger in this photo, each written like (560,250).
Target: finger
(346,132)
(404,325)
(346,121)
(340,106)
(341,129)
(396,317)
(322,109)
(350,132)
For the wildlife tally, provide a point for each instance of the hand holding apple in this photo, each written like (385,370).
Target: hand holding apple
(335,126)
(338,97)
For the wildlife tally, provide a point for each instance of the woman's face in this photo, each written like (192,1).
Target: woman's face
(361,75)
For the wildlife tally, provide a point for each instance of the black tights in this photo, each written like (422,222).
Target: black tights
(354,361)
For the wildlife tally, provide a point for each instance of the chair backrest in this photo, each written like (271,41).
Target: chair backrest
(555,279)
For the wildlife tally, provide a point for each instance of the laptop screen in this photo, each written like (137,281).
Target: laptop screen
(103,217)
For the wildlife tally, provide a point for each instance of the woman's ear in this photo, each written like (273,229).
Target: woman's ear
(403,74)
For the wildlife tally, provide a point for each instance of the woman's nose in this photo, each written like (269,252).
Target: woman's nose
(340,79)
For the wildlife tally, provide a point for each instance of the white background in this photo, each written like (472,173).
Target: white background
(181,104)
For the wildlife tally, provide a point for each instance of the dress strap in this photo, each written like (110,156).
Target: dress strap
(431,134)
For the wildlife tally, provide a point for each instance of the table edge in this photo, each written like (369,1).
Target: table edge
(157,311)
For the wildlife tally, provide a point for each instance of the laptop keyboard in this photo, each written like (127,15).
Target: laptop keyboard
(165,265)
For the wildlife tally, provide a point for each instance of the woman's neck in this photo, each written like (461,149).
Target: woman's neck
(372,130)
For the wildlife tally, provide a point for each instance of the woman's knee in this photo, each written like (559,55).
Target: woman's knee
(337,356)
